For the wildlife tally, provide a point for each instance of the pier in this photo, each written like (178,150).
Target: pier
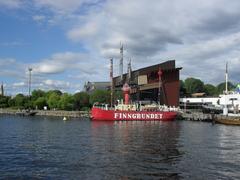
(196,116)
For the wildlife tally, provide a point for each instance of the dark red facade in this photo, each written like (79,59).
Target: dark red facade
(148,89)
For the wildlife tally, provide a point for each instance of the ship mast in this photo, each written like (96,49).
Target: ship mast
(226,79)
(129,71)
(121,62)
(111,80)
(225,108)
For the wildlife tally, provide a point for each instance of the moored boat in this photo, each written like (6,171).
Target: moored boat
(132,112)
(227,120)
(131,115)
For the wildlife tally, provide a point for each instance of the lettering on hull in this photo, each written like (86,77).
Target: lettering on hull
(137,116)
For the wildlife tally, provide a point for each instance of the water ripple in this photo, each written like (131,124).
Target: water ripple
(48,148)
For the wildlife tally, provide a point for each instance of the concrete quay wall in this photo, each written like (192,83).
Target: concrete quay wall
(49,113)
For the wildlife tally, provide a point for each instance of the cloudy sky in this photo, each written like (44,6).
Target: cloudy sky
(69,42)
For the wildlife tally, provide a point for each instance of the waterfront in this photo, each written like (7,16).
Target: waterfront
(49,148)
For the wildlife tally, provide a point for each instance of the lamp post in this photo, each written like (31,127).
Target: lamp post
(29,82)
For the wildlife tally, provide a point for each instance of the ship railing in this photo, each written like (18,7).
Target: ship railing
(159,108)
(168,108)
(103,106)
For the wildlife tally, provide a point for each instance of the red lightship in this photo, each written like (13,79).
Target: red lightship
(132,112)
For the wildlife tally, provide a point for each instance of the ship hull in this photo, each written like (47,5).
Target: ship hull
(227,120)
(98,114)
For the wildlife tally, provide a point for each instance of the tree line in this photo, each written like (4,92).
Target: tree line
(193,85)
(55,99)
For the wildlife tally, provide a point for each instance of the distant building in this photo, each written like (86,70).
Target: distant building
(144,83)
(2,90)
(89,87)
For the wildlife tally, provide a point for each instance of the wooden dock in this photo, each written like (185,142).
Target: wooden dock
(196,116)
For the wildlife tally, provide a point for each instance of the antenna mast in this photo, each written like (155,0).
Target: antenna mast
(121,62)
(129,70)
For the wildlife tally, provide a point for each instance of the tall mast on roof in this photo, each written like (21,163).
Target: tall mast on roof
(121,62)
(129,70)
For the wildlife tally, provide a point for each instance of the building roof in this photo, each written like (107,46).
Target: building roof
(91,86)
(165,66)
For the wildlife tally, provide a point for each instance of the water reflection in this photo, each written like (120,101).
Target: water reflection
(138,148)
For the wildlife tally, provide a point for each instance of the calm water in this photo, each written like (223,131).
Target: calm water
(49,148)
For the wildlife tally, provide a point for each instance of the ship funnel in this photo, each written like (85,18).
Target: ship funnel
(126,90)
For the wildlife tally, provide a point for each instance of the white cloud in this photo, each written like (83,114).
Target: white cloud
(6,62)
(60,6)
(13,43)
(196,34)
(19,84)
(63,62)
(11,68)
(11,3)
(201,36)
(83,32)
(56,84)
(39,18)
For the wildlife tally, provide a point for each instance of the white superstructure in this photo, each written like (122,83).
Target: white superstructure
(231,100)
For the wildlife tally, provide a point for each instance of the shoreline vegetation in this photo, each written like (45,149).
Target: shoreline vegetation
(55,100)
(57,103)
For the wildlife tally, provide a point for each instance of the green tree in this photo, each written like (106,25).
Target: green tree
(101,96)
(40,103)
(118,95)
(4,101)
(66,102)
(210,90)
(183,90)
(58,92)
(221,87)
(81,100)
(194,85)
(20,101)
(53,99)
(28,104)
(11,102)
(37,93)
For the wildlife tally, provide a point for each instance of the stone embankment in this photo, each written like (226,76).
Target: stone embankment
(48,113)
(63,113)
